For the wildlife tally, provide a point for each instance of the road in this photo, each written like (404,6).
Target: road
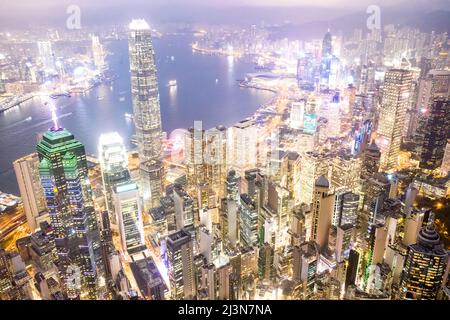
(9,222)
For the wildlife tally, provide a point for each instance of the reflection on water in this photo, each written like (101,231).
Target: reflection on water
(172,96)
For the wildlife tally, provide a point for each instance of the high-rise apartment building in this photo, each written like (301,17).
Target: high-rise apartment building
(322,211)
(395,101)
(128,211)
(180,256)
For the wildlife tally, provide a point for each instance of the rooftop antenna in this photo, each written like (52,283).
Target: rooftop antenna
(54,117)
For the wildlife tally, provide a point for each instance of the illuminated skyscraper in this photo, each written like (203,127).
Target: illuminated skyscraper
(194,148)
(395,101)
(215,158)
(147,114)
(129,216)
(370,161)
(313,165)
(425,265)
(432,112)
(46,55)
(327,56)
(445,168)
(184,208)
(322,211)
(27,175)
(114,165)
(242,146)
(98,53)
(435,131)
(64,177)
(248,221)
(345,171)
(297,114)
(345,207)
(180,256)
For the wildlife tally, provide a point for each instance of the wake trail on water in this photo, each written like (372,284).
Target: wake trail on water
(40,123)
(16,124)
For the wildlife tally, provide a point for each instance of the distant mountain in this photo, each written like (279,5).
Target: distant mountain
(438,21)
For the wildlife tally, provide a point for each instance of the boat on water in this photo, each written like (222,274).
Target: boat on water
(172,83)
(62,94)
(100,97)
(29,119)
(122,99)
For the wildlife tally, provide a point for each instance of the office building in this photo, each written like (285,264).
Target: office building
(180,257)
(64,177)
(395,101)
(31,192)
(147,113)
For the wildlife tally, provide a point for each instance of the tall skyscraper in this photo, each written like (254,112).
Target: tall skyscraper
(248,221)
(180,257)
(121,194)
(113,164)
(215,158)
(31,192)
(445,168)
(98,53)
(147,114)
(322,211)
(313,165)
(395,101)
(297,114)
(435,134)
(424,265)
(242,146)
(194,148)
(129,216)
(64,177)
(327,56)
(345,207)
(370,161)
(432,112)
(46,55)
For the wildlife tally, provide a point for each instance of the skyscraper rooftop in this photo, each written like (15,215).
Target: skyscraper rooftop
(138,24)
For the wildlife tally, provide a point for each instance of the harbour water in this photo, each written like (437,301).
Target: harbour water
(206,89)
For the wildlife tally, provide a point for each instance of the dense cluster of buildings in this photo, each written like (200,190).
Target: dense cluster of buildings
(317,200)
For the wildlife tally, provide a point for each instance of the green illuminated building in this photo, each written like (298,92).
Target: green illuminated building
(64,178)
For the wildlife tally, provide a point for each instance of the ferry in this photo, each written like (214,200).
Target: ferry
(62,94)
(172,83)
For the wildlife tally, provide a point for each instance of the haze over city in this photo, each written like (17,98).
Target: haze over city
(236,150)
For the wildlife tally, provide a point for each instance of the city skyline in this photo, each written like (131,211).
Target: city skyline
(330,183)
